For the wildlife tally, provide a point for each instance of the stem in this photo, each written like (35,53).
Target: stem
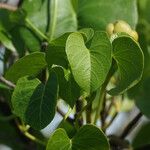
(36,29)
(131,125)
(24,130)
(111,121)
(7,118)
(101,99)
(63,115)
(79,108)
(8,83)
(103,91)
(33,138)
(80,113)
(67,114)
(88,113)
(103,113)
(8,7)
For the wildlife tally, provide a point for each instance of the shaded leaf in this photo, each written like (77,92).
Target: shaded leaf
(69,91)
(130,61)
(63,18)
(142,138)
(34,102)
(90,137)
(56,55)
(98,13)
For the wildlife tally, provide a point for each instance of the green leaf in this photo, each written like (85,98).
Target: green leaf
(37,13)
(55,55)
(89,66)
(28,65)
(59,141)
(142,138)
(10,137)
(7,42)
(68,127)
(34,102)
(88,137)
(88,33)
(63,18)
(69,91)
(142,98)
(25,39)
(9,19)
(141,92)
(98,13)
(130,61)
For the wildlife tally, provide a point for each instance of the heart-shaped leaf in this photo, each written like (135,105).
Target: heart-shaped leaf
(34,102)
(88,137)
(129,58)
(98,13)
(89,66)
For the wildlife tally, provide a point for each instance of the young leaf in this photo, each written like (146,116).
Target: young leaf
(129,58)
(89,66)
(88,33)
(98,13)
(88,137)
(63,18)
(59,141)
(28,65)
(34,102)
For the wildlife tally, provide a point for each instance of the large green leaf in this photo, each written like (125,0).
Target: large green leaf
(142,138)
(28,65)
(141,92)
(88,137)
(144,17)
(142,99)
(63,18)
(89,66)
(34,102)
(37,13)
(98,13)
(6,41)
(130,61)
(69,91)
